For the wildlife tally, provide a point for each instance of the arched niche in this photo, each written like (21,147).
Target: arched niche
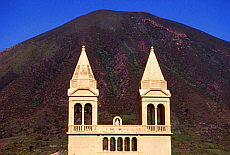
(117,120)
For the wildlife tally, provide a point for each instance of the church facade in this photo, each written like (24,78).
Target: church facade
(87,137)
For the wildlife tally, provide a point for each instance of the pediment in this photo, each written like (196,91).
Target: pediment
(83,92)
(155,92)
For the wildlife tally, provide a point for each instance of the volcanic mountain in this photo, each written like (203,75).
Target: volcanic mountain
(35,74)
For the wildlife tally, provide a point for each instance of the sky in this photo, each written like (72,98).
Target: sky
(23,19)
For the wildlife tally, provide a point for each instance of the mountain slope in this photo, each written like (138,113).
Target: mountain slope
(35,76)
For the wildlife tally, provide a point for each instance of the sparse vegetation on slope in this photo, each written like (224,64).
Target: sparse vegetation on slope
(35,74)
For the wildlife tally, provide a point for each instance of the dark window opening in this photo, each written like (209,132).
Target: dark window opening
(88,114)
(161,114)
(150,114)
(77,114)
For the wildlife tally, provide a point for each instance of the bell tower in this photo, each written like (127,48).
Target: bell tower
(155,103)
(83,93)
(155,108)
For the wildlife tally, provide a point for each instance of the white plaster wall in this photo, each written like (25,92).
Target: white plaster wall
(156,145)
(92,145)
(83,145)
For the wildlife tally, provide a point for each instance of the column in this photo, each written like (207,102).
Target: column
(102,146)
(83,117)
(71,117)
(167,114)
(116,144)
(155,115)
(139,142)
(109,144)
(94,113)
(130,144)
(95,116)
(144,113)
(123,145)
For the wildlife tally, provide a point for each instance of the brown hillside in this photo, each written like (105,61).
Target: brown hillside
(35,74)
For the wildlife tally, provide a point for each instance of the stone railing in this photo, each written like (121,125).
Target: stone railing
(82,128)
(119,152)
(156,128)
(120,129)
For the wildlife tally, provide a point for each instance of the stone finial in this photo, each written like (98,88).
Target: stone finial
(152,49)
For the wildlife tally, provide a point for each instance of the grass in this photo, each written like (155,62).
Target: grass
(129,118)
(34,144)
(136,67)
(184,140)
(187,142)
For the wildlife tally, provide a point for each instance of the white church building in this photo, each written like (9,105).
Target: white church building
(151,137)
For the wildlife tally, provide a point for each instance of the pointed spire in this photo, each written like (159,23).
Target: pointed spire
(83,74)
(152,76)
(83,69)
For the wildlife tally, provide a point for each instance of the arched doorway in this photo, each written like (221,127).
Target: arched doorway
(77,114)
(150,114)
(161,114)
(88,114)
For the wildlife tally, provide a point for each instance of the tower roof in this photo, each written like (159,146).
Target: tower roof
(153,77)
(83,69)
(152,69)
(83,78)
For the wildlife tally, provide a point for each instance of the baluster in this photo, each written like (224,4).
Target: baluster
(83,117)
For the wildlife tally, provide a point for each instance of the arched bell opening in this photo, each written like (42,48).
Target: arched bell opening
(150,114)
(105,143)
(161,114)
(119,144)
(88,114)
(77,114)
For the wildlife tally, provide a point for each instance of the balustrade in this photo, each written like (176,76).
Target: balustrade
(121,128)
